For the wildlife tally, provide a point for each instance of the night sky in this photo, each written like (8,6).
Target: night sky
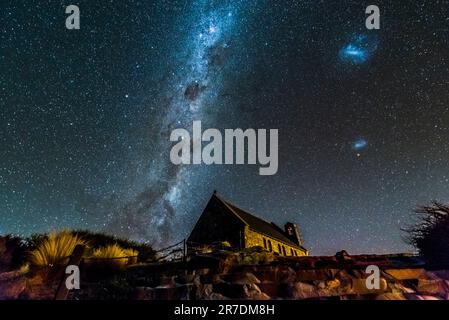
(86,115)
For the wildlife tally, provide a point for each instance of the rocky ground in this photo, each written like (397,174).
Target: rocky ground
(250,274)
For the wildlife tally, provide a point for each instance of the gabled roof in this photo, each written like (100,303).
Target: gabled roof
(259,225)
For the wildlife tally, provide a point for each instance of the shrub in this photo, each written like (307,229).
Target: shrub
(431,234)
(113,256)
(12,252)
(54,249)
(98,240)
(257,258)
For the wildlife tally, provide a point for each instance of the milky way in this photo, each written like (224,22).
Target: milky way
(189,92)
(86,115)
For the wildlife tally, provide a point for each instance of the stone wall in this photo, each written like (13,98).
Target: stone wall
(254,239)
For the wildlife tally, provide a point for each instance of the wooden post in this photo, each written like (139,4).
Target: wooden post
(75,259)
(184,250)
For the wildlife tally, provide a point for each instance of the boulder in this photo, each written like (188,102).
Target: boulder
(412,296)
(144,293)
(406,274)
(390,296)
(253,292)
(302,290)
(432,287)
(12,289)
(438,274)
(343,256)
(243,278)
(204,292)
(181,292)
(272,289)
(359,287)
(316,274)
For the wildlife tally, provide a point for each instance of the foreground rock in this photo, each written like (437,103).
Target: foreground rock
(251,275)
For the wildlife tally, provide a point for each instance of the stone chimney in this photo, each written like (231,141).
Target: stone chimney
(292,232)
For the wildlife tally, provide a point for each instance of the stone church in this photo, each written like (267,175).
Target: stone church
(222,221)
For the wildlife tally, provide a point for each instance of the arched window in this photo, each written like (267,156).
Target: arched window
(270,248)
(265,243)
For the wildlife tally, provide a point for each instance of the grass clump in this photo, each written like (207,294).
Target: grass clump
(100,240)
(55,249)
(113,256)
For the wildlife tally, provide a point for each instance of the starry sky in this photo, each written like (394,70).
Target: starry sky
(86,115)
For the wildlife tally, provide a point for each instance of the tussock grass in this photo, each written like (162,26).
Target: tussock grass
(55,249)
(114,256)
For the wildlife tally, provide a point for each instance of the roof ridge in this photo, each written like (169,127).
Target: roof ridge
(229,206)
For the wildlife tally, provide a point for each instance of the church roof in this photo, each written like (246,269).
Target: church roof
(259,225)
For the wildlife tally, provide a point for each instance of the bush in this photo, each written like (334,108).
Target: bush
(54,249)
(431,234)
(255,255)
(99,240)
(113,256)
(12,252)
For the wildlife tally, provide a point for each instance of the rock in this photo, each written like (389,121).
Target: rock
(231,290)
(12,289)
(144,293)
(301,290)
(343,256)
(217,296)
(210,278)
(245,278)
(390,296)
(204,292)
(173,293)
(432,287)
(406,274)
(6,276)
(439,274)
(287,275)
(185,278)
(316,274)
(398,287)
(411,296)
(253,292)
(332,284)
(266,273)
(271,288)
(166,281)
(359,286)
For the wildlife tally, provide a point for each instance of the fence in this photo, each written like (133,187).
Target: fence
(175,252)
